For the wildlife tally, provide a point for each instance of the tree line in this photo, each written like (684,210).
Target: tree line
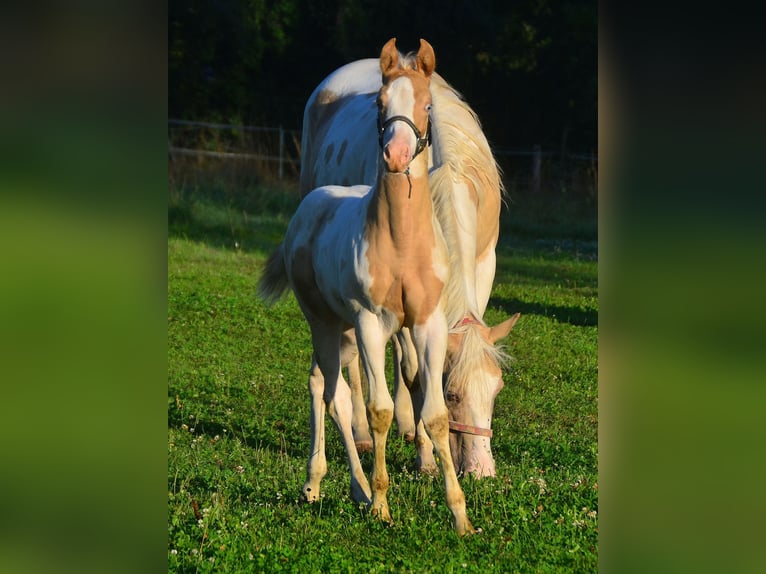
(528,67)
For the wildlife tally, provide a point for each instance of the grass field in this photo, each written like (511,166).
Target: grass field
(238,411)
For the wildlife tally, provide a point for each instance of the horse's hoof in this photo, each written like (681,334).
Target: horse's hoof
(464,528)
(430,470)
(310,494)
(360,495)
(382,513)
(363,446)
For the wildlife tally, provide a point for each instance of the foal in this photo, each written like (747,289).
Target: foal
(374,259)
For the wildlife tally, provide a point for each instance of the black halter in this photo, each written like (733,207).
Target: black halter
(422,141)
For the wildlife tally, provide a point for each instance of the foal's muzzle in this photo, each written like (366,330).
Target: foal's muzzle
(421,141)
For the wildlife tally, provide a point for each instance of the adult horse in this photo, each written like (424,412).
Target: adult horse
(340,144)
(374,260)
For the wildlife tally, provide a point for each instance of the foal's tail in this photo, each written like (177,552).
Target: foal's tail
(273,283)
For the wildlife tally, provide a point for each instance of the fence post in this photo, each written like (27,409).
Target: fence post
(281,151)
(537,161)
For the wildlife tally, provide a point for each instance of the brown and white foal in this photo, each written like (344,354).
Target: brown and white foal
(374,259)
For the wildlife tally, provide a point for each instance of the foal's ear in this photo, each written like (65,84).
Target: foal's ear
(501,331)
(389,57)
(426,58)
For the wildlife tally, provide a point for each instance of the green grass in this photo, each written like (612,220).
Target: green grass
(238,412)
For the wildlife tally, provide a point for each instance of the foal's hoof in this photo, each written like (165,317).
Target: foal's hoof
(363,446)
(464,527)
(431,470)
(382,513)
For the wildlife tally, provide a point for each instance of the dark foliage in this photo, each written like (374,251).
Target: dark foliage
(529,68)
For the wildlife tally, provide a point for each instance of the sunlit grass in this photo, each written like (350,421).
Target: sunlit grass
(238,430)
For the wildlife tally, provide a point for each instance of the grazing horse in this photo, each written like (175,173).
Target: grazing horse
(340,144)
(375,260)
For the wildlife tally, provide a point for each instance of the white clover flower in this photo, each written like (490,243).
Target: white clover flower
(540,483)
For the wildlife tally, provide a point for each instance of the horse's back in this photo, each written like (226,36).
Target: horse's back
(322,206)
(338,126)
(340,146)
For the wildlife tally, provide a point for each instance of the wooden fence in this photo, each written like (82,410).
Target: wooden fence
(283,146)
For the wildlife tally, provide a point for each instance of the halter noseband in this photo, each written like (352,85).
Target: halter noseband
(455,426)
(422,142)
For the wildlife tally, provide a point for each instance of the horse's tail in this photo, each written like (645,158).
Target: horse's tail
(273,283)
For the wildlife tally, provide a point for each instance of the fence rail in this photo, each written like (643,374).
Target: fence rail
(222,154)
(216,126)
(282,157)
(536,153)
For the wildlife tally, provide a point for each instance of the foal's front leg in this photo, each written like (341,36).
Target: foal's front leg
(431,343)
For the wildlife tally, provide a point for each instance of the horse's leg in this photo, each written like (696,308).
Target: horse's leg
(341,408)
(403,411)
(380,407)
(485,276)
(431,343)
(359,425)
(425,460)
(330,392)
(316,467)
(409,370)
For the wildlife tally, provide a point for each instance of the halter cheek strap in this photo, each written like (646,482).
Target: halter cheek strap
(421,141)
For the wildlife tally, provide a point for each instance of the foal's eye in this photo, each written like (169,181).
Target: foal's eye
(453,398)
(428,107)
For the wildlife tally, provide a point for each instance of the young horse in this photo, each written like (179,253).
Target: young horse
(339,145)
(374,260)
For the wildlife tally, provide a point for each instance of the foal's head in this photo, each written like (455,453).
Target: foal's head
(404,102)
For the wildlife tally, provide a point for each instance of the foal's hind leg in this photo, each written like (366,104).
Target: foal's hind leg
(426,463)
(359,425)
(344,411)
(316,467)
(405,348)
(405,369)
(330,390)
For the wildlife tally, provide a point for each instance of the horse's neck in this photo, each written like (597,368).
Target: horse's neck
(402,205)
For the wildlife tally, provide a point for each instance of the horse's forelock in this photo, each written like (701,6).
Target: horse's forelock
(408,61)
(468,360)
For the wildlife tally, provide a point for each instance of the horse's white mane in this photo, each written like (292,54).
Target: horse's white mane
(460,151)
